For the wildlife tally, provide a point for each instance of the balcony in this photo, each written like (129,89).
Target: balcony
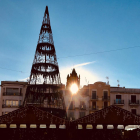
(136,102)
(105,98)
(10,106)
(12,94)
(71,107)
(94,98)
(71,118)
(119,102)
(82,107)
(94,108)
(104,107)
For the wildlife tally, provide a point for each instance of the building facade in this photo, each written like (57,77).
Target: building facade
(126,98)
(12,95)
(87,100)
(99,94)
(77,105)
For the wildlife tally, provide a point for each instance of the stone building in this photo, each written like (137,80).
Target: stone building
(12,95)
(87,100)
(126,98)
(77,105)
(99,96)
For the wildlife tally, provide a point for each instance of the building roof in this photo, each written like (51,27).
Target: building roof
(33,115)
(110,115)
(14,82)
(124,90)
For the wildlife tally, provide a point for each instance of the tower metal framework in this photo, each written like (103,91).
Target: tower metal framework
(44,82)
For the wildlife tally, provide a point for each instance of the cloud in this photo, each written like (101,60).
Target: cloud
(85,75)
(83,64)
(25,79)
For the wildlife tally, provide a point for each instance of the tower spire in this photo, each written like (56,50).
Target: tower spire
(45,68)
(44,82)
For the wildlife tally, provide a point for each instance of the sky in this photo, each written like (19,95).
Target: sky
(99,38)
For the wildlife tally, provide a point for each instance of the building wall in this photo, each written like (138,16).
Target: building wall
(99,88)
(85,95)
(76,105)
(11,100)
(126,97)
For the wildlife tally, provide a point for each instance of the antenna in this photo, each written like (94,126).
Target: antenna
(118,83)
(107,80)
(87,82)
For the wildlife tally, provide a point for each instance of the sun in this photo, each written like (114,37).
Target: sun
(74,88)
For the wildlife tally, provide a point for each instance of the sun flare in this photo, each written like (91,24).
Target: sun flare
(74,88)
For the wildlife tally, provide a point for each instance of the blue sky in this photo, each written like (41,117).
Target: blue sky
(79,27)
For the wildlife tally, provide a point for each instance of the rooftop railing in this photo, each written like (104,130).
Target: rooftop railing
(10,106)
(94,108)
(12,94)
(94,98)
(83,107)
(105,97)
(136,102)
(119,102)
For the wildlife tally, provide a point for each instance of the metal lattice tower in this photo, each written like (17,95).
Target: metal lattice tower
(44,82)
(45,67)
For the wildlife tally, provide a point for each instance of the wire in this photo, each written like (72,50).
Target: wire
(81,55)
(99,52)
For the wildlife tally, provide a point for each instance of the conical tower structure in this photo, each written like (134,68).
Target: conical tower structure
(44,88)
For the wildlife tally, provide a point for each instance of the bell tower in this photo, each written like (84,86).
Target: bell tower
(73,79)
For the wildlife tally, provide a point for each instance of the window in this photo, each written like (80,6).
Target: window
(134,111)
(105,94)
(133,98)
(118,99)
(8,103)
(93,94)
(71,105)
(15,103)
(93,105)
(71,115)
(81,114)
(20,102)
(20,90)
(82,105)
(105,104)
(12,103)
(11,91)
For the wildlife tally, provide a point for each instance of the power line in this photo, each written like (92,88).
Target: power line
(99,52)
(81,55)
